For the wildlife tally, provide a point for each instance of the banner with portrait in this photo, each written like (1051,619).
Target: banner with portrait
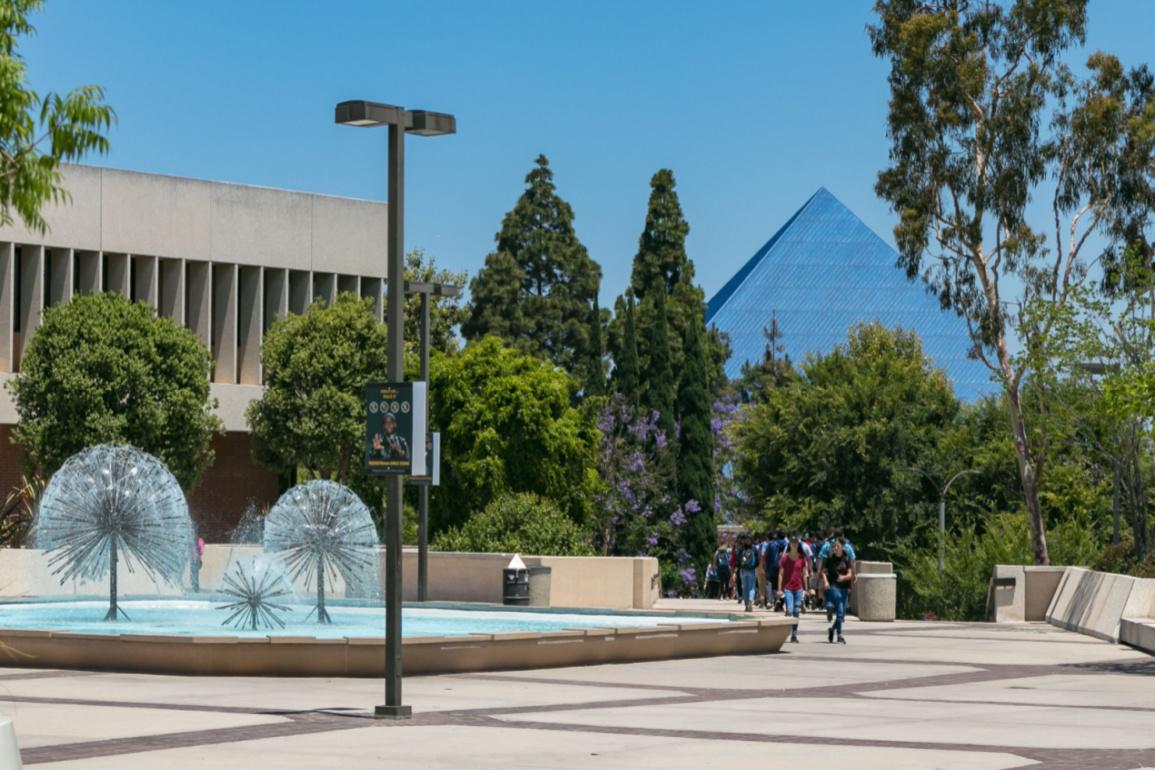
(395,430)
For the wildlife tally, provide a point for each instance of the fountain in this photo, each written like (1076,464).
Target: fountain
(250,530)
(115,503)
(255,583)
(321,530)
(111,502)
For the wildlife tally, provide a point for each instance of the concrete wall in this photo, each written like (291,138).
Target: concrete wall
(601,582)
(1030,596)
(1095,603)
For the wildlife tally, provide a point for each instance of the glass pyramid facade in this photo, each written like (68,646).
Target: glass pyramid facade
(823,272)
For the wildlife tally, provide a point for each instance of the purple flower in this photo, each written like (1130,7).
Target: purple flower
(647,512)
(677,518)
(637,463)
(660,439)
(652,540)
(688,575)
(692,506)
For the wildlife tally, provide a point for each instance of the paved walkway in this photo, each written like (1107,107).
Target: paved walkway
(901,695)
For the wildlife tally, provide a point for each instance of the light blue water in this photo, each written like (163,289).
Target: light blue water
(198,617)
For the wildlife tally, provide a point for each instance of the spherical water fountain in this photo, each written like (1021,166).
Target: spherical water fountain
(111,502)
(115,503)
(256,586)
(322,531)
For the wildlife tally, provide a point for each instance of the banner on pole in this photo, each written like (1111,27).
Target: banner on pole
(394,427)
(432,475)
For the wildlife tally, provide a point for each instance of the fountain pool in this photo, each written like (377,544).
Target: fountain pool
(188,617)
(185,636)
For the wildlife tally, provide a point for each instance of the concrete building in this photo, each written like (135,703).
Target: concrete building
(223,260)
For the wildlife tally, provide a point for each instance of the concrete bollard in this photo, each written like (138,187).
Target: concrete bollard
(9,751)
(877,596)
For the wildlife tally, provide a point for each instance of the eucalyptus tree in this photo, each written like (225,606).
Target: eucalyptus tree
(986,121)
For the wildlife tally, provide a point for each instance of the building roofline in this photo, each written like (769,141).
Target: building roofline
(731,286)
(217,182)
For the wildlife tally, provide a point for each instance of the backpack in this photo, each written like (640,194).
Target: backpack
(775,554)
(749,558)
(722,558)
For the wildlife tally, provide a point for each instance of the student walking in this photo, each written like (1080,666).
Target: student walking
(762,598)
(837,576)
(722,564)
(747,567)
(793,571)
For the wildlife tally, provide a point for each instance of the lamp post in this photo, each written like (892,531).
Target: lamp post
(423,123)
(942,489)
(427,292)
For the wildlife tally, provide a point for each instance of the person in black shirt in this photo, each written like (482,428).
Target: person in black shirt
(837,576)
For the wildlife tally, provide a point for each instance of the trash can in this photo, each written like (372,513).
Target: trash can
(515,582)
(539,582)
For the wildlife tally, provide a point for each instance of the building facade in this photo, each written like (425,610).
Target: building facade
(223,260)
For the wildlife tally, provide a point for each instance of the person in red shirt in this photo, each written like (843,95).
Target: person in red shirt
(793,574)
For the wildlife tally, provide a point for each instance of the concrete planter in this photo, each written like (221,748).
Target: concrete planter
(877,595)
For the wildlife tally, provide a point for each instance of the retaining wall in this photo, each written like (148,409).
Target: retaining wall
(600,582)
(1115,608)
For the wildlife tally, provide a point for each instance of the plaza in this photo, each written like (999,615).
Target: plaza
(902,695)
(324,448)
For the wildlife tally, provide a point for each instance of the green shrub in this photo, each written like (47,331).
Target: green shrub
(1120,559)
(960,592)
(518,523)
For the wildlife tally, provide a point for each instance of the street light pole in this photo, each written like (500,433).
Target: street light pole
(942,490)
(423,490)
(399,121)
(394,488)
(942,518)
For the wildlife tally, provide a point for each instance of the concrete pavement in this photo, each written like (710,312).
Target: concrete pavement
(900,695)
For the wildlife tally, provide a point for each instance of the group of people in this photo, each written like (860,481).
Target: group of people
(788,573)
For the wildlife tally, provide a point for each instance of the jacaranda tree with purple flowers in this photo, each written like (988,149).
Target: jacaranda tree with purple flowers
(638,512)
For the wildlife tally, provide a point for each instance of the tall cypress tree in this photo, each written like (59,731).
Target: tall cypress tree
(695,480)
(662,261)
(658,384)
(661,258)
(626,376)
(537,288)
(595,373)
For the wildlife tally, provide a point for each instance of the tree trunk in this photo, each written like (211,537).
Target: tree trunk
(1028,473)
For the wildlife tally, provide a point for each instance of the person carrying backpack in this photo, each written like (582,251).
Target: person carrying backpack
(837,577)
(793,571)
(722,564)
(747,566)
(774,551)
(834,536)
(762,597)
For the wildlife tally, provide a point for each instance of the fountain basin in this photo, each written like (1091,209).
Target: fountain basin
(442,639)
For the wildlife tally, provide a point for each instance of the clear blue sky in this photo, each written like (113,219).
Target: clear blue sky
(754,105)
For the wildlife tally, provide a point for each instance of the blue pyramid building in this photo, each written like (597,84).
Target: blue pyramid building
(823,272)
